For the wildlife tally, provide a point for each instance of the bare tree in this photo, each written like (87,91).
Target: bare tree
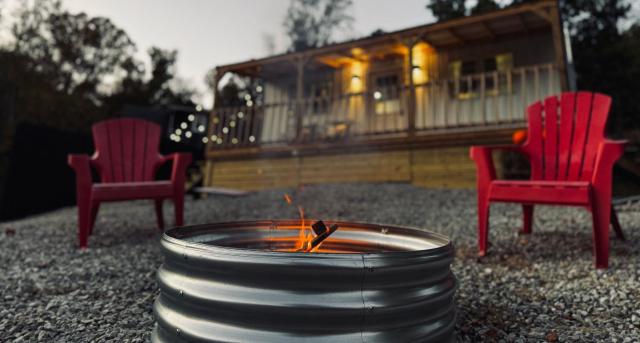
(312,23)
(269,42)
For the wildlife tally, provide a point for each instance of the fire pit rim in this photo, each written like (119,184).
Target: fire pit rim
(170,236)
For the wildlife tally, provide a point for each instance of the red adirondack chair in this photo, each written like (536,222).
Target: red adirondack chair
(571,164)
(126,159)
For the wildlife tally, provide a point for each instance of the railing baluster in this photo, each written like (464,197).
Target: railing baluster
(510,107)
(495,111)
(483,105)
(523,96)
(536,73)
(550,90)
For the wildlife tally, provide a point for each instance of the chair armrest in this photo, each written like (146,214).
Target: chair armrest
(609,152)
(181,160)
(81,164)
(481,154)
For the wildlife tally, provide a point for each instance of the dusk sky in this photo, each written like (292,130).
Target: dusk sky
(215,32)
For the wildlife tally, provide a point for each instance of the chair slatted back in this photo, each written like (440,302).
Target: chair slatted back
(127,150)
(564,135)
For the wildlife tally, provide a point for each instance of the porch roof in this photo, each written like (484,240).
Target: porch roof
(507,22)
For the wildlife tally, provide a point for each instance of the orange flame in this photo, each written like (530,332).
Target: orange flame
(304,236)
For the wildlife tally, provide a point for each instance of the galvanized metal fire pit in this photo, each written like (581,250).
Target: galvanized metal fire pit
(243,282)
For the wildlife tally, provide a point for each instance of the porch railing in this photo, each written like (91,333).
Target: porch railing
(473,102)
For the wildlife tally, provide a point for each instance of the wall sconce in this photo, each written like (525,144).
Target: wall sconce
(417,75)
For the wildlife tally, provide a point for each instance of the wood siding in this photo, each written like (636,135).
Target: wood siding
(448,167)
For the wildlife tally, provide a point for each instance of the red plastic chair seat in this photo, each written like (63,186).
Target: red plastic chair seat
(115,191)
(541,192)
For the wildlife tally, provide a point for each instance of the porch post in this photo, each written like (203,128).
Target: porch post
(559,45)
(299,104)
(217,75)
(411,111)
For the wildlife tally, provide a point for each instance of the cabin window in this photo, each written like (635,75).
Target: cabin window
(386,93)
(319,95)
(467,76)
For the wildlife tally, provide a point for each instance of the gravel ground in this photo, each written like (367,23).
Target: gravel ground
(534,288)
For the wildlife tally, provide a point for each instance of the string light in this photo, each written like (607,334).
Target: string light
(214,137)
(201,128)
(183,125)
(205,140)
(234,140)
(232,124)
(225,130)
(178,132)
(198,108)
(191,117)
(252,139)
(188,134)
(240,115)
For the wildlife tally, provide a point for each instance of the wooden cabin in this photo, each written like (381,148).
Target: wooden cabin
(402,106)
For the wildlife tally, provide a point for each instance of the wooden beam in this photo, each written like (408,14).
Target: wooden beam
(455,35)
(434,139)
(488,30)
(523,24)
(542,13)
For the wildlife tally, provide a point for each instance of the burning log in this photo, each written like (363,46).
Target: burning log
(322,232)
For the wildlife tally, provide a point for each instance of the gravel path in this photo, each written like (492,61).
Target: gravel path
(530,288)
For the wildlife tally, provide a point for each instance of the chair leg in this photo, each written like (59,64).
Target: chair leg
(159,215)
(84,223)
(178,202)
(483,224)
(527,219)
(94,214)
(616,225)
(600,212)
